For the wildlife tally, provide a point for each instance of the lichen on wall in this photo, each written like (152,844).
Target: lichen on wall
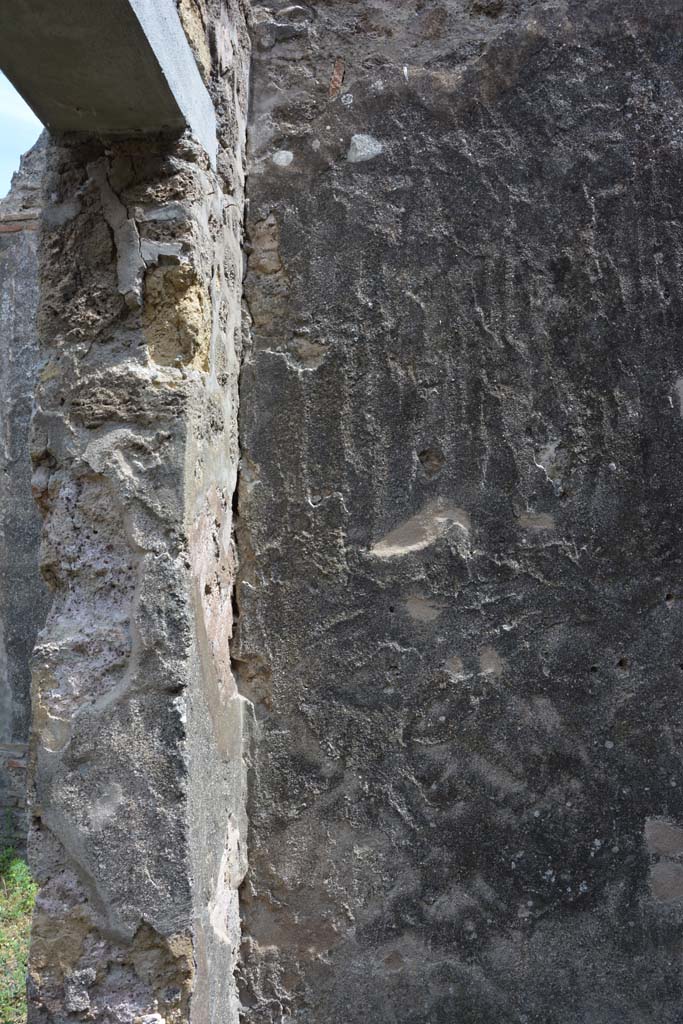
(177,323)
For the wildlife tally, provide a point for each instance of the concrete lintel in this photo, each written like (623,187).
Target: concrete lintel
(111,67)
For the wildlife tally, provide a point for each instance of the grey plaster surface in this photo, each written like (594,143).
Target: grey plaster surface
(461,506)
(137,780)
(111,67)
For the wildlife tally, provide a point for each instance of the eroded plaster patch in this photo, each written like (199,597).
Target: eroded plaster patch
(420,531)
(364,147)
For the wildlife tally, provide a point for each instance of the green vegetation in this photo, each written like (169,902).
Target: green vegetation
(17,894)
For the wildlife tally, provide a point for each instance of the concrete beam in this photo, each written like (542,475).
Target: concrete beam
(108,67)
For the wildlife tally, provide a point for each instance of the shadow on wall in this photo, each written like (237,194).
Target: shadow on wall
(23,597)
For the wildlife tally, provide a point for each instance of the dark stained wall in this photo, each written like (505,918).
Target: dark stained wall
(22,594)
(460,513)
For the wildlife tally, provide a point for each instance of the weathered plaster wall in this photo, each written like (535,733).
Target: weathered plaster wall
(460,512)
(459,542)
(137,799)
(22,593)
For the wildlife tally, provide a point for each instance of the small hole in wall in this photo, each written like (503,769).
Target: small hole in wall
(432,460)
(622,663)
(392,608)
(669,598)
(594,669)
(207,588)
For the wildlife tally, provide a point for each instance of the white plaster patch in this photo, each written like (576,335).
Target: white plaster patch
(105,808)
(546,456)
(553,460)
(678,387)
(283,158)
(490,663)
(664,842)
(666,881)
(545,713)
(422,609)
(54,732)
(537,521)
(309,355)
(496,776)
(455,667)
(223,907)
(364,147)
(663,837)
(421,530)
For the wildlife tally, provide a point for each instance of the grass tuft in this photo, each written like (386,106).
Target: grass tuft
(17,896)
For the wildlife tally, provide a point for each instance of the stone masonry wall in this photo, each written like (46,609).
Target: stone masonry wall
(137,783)
(456,670)
(460,508)
(23,599)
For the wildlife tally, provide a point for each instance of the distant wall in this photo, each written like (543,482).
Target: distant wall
(22,593)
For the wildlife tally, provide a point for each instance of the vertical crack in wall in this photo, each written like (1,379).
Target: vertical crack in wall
(244,664)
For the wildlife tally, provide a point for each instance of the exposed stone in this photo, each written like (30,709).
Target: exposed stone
(177,322)
(195,19)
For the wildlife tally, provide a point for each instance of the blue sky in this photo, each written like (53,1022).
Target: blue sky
(19,129)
